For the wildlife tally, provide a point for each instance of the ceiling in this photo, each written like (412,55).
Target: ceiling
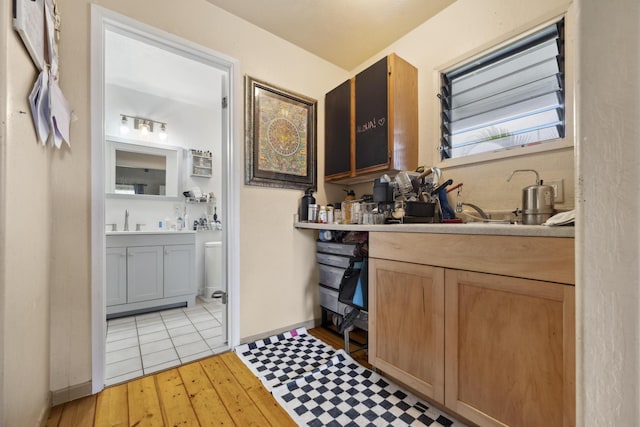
(343,32)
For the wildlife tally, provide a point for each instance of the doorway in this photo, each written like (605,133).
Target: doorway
(154,92)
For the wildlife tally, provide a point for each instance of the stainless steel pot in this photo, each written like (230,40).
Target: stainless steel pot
(537,201)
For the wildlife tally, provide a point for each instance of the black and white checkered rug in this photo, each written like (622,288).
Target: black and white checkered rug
(319,386)
(283,358)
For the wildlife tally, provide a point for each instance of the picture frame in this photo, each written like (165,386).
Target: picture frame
(280,137)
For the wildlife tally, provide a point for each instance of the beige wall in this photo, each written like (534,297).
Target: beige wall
(25,234)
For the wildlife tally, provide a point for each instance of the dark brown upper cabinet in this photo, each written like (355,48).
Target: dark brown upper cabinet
(371,123)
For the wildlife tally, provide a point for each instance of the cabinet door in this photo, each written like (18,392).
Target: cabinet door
(372,117)
(179,270)
(144,273)
(116,276)
(510,350)
(337,131)
(406,324)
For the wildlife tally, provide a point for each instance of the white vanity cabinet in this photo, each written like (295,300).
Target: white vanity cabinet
(178,280)
(116,276)
(144,273)
(146,270)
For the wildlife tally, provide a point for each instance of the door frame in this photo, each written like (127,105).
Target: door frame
(101,20)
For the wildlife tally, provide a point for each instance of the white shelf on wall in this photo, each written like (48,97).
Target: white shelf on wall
(200,163)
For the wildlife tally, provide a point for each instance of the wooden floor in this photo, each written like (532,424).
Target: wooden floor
(219,390)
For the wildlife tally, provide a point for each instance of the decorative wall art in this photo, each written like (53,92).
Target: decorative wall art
(280,132)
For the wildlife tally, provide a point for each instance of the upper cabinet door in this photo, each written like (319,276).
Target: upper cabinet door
(337,131)
(372,116)
(371,123)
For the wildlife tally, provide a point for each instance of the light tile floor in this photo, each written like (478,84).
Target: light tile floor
(140,345)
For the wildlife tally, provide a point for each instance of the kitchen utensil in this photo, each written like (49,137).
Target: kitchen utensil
(441,186)
(447,211)
(449,190)
(415,182)
(537,200)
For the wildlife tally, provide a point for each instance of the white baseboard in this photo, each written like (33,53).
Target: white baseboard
(70,393)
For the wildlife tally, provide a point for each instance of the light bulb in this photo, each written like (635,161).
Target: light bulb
(163,131)
(144,128)
(124,125)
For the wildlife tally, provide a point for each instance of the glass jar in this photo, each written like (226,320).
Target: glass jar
(313,213)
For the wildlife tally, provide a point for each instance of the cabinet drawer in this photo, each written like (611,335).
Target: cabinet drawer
(330,276)
(516,256)
(329,300)
(345,249)
(333,260)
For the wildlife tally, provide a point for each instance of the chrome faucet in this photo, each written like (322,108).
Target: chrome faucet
(459,206)
(126,220)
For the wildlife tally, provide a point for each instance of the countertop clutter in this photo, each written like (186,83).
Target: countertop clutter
(462,228)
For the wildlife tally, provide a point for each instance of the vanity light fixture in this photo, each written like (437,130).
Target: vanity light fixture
(124,125)
(163,131)
(144,126)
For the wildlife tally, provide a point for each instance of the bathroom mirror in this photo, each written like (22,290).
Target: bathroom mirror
(141,170)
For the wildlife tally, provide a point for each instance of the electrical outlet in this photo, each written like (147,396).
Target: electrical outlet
(558,190)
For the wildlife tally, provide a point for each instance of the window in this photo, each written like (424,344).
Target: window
(512,97)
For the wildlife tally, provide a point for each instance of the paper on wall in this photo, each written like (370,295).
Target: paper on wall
(49,108)
(39,103)
(60,115)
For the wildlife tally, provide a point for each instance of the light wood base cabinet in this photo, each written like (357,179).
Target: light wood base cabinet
(408,342)
(496,349)
(509,350)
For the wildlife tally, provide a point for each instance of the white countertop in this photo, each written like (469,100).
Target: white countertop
(499,229)
(121,233)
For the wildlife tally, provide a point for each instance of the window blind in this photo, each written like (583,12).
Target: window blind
(513,96)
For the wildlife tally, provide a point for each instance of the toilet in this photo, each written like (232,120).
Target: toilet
(213,268)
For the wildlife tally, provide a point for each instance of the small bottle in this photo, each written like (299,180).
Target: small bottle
(330,214)
(322,215)
(313,213)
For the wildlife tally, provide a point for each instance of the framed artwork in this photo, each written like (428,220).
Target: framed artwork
(280,132)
